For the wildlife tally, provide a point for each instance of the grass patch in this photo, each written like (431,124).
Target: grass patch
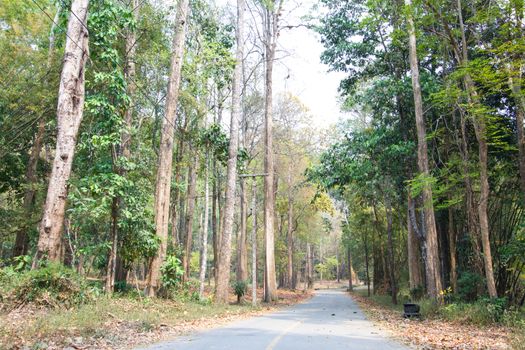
(382,300)
(112,319)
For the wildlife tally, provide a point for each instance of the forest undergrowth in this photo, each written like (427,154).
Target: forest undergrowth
(456,325)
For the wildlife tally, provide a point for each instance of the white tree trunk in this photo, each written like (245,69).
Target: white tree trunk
(69,114)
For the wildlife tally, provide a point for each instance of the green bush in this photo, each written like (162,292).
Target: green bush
(240,288)
(171,272)
(469,286)
(53,286)
(484,311)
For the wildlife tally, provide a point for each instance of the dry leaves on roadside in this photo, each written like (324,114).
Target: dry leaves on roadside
(435,333)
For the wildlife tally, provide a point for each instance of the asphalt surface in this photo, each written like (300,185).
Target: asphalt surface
(329,320)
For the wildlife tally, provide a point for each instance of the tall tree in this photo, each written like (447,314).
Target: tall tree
(272,13)
(430,240)
(204,240)
(223,266)
(165,161)
(123,153)
(69,115)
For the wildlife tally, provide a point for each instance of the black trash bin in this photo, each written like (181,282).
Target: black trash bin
(410,310)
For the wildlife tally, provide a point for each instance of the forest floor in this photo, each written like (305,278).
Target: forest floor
(436,333)
(123,322)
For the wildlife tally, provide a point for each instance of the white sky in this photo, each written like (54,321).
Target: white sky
(308,78)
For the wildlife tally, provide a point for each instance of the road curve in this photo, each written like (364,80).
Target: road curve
(330,320)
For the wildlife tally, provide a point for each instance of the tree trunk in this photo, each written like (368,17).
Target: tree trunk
(480,129)
(204,241)
(393,284)
(254,244)
(69,114)
(112,257)
(289,243)
(190,211)
(214,224)
(434,282)
(165,162)
(175,233)
(414,266)
(271,18)
(114,261)
(242,252)
(520,112)
(452,251)
(223,267)
(309,267)
(367,265)
(349,259)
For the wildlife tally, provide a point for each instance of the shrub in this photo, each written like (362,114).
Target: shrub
(485,311)
(53,286)
(171,272)
(469,286)
(239,288)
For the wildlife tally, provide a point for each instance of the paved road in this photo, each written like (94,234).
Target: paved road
(328,321)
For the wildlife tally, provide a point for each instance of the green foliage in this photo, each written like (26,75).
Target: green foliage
(482,312)
(52,286)
(240,288)
(171,272)
(469,286)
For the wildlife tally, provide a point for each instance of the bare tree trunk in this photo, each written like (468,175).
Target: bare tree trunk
(204,241)
(190,211)
(337,266)
(349,259)
(452,251)
(112,257)
(481,134)
(69,114)
(515,86)
(214,224)
(165,162)
(434,283)
(254,244)
(480,129)
(520,112)
(242,252)
(391,270)
(309,267)
(177,194)
(272,13)
(367,265)
(223,268)
(289,242)
(414,267)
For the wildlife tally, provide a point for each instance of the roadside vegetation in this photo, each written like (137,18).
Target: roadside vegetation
(55,308)
(456,325)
